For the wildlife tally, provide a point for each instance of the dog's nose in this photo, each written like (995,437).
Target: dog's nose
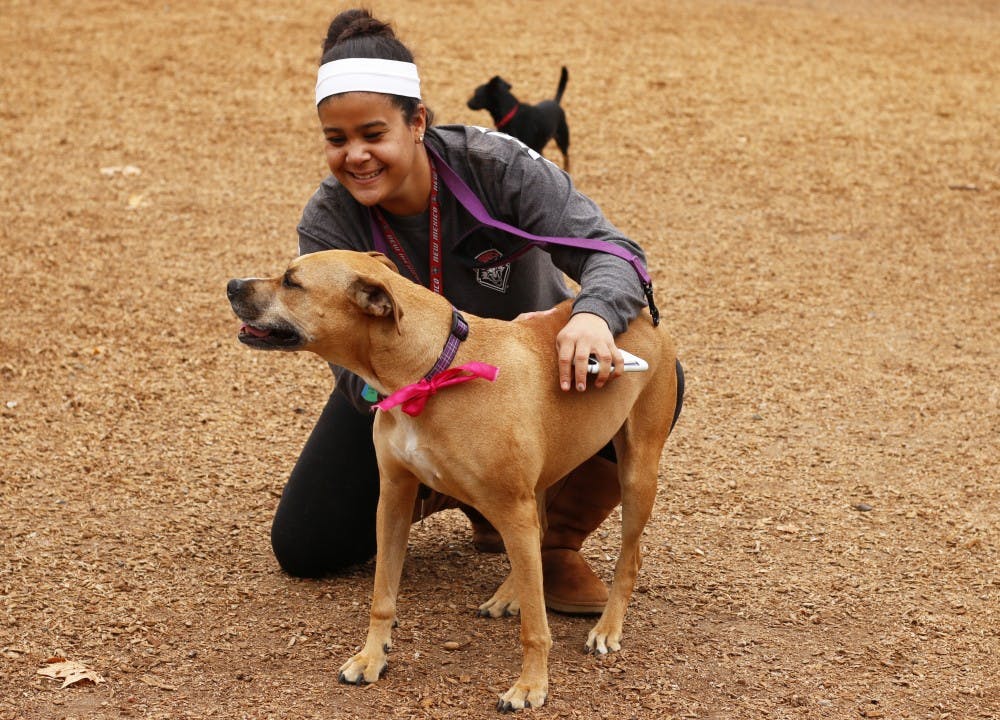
(233,288)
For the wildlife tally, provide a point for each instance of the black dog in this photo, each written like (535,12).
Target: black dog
(534,125)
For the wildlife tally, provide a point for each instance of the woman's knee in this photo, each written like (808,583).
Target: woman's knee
(313,555)
(325,520)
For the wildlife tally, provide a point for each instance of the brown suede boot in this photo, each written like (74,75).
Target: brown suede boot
(484,537)
(576,506)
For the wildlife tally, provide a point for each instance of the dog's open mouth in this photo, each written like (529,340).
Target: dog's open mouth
(279,337)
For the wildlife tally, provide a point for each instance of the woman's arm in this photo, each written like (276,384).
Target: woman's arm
(531,193)
(537,196)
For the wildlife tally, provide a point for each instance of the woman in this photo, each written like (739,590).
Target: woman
(385,193)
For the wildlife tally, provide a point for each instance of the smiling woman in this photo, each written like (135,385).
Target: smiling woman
(375,153)
(389,191)
(370,109)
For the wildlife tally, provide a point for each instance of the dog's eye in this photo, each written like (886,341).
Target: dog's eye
(288,282)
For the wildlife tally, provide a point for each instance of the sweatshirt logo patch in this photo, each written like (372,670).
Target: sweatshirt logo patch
(495,278)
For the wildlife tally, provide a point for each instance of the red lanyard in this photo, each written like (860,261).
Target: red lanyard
(434,251)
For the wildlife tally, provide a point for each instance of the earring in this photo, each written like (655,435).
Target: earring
(420,138)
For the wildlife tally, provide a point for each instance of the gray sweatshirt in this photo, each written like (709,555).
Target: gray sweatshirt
(518,187)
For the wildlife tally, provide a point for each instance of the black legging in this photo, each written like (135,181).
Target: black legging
(326,517)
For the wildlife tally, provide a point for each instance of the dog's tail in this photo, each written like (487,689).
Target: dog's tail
(563,78)
(680,393)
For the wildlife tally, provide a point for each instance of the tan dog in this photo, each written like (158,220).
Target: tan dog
(354,310)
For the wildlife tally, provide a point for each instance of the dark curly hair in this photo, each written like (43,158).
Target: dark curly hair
(356,33)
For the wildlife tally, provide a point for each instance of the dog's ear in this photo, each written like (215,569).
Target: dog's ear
(497,83)
(383,259)
(376,299)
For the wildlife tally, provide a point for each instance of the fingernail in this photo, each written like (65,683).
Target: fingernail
(581,387)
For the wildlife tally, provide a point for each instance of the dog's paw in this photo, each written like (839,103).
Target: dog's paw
(504,602)
(603,640)
(523,695)
(362,669)
(494,609)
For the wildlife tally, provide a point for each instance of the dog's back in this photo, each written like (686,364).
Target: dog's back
(551,122)
(573,425)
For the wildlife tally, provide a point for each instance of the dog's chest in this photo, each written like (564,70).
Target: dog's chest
(414,451)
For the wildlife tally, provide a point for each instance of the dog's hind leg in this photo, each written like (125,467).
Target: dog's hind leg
(638,469)
(562,140)
(638,445)
(392,529)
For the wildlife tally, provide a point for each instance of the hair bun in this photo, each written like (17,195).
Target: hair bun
(354,24)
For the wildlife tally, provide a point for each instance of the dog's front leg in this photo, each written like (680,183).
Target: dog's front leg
(392,528)
(522,538)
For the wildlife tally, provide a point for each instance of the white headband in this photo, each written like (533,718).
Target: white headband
(391,77)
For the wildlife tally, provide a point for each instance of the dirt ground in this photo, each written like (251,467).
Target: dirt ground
(817,186)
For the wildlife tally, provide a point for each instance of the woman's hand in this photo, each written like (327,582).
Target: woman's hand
(584,335)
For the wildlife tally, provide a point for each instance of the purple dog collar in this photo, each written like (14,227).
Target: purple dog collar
(459,331)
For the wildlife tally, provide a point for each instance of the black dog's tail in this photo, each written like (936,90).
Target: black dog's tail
(680,393)
(563,78)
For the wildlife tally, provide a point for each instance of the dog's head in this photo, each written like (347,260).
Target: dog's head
(316,303)
(488,94)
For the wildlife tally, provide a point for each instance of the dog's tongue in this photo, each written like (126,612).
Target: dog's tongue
(251,330)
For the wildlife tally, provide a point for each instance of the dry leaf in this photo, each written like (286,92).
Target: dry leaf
(70,672)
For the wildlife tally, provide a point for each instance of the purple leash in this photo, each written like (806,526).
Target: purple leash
(474,206)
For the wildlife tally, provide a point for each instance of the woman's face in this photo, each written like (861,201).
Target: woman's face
(374,152)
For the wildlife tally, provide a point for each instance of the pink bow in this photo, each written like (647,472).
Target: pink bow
(414,397)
